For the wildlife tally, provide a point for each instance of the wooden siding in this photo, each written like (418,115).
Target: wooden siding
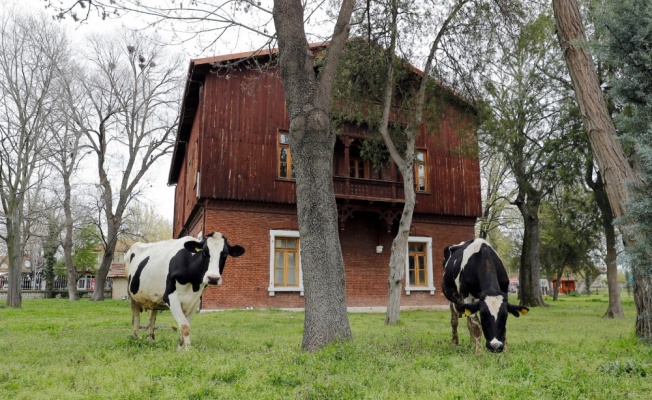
(242,117)
(186,190)
(233,144)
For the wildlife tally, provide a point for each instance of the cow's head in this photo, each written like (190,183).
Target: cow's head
(214,250)
(493,317)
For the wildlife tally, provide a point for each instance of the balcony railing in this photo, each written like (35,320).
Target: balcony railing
(368,189)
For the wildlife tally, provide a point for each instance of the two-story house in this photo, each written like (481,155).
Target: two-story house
(232,168)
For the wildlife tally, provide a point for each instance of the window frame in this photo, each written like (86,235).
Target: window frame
(290,166)
(417,163)
(430,287)
(272,289)
(357,163)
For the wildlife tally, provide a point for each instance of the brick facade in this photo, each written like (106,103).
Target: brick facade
(247,278)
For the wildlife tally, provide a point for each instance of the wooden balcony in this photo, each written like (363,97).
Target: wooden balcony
(370,190)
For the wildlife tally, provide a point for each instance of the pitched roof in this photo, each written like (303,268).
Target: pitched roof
(197,71)
(116,271)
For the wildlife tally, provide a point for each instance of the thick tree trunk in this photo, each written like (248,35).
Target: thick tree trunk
(599,127)
(643,302)
(530,272)
(613,164)
(312,143)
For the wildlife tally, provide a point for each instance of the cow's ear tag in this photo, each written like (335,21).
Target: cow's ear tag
(467,312)
(523,311)
(198,249)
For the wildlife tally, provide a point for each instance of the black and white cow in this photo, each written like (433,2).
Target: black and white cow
(172,275)
(475,281)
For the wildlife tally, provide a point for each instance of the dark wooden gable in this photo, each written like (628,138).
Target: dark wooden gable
(227,149)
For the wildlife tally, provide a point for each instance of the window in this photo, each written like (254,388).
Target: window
(119,257)
(420,172)
(358,168)
(417,264)
(285,166)
(86,282)
(418,268)
(285,273)
(286,265)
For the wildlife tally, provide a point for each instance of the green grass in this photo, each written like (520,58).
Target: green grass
(56,349)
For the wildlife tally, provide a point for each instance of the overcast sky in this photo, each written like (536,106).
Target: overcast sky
(158,192)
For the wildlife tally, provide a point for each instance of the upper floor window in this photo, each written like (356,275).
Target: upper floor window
(285,166)
(420,172)
(358,168)
(119,257)
(285,273)
(418,267)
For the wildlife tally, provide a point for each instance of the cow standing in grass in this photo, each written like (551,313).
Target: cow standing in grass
(475,281)
(172,275)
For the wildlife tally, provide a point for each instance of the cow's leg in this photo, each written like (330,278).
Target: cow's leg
(182,321)
(152,324)
(135,317)
(455,318)
(475,329)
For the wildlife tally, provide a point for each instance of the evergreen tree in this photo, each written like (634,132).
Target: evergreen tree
(629,51)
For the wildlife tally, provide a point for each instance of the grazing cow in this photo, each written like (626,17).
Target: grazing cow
(475,280)
(172,275)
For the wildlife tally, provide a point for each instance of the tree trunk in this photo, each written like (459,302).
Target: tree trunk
(400,243)
(73,293)
(530,272)
(588,280)
(399,248)
(15,255)
(312,144)
(597,122)
(105,265)
(615,308)
(643,302)
(555,295)
(599,127)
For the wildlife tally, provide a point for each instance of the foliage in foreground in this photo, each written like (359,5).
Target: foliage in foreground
(73,350)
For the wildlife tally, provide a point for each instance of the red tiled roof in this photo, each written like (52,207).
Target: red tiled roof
(116,271)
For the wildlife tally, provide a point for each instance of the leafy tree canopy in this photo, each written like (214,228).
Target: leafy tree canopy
(85,249)
(629,51)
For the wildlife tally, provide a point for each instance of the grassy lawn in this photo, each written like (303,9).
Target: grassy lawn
(56,349)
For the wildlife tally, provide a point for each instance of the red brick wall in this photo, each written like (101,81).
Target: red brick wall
(246,279)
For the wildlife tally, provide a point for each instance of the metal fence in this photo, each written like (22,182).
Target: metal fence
(37,282)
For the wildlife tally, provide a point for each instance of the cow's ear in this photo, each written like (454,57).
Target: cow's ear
(517,310)
(193,246)
(469,309)
(236,251)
